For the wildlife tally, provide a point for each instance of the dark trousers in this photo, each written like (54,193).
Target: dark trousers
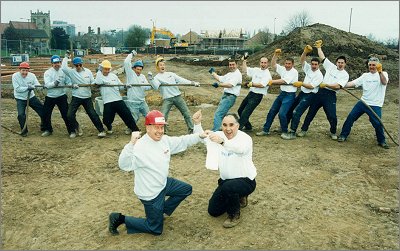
(327,100)
(88,106)
(226,198)
(62,104)
(36,105)
(119,107)
(358,110)
(246,108)
(300,105)
(282,106)
(176,191)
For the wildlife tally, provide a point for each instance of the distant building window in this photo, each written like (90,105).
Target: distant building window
(44,20)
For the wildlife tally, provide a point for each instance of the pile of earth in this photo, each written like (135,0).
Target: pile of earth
(336,42)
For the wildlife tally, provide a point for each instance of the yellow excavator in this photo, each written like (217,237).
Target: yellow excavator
(173,42)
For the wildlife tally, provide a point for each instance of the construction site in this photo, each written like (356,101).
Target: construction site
(312,192)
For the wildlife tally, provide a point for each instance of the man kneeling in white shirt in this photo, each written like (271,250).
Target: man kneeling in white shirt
(236,167)
(149,158)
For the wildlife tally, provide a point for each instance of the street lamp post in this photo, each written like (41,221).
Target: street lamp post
(274,28)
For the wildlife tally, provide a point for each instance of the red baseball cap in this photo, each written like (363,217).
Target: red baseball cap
(155,117)
(24,65)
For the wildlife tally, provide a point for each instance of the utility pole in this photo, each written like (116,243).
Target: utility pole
(274,28)
(351,12)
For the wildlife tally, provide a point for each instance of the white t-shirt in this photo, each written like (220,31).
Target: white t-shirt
(333,75)
(373,89)
(259,76)
(234,157)
(235,79)
(290,77)
(312,77)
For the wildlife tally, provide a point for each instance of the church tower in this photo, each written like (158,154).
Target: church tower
(42,21)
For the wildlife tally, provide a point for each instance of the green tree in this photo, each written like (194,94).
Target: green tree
(12,34)
(59,39)
(136,36)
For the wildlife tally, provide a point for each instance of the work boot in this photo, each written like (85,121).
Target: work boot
(46,133)
(72,135)
(243,202)
(232,221)
(101,134)
(341,139)
(128,131)
(24,133)
(384,145)
(110,132)
(263,133)
(190,131)
(289,135)
(79,131)
(114,220)
(302,133)
(333,136)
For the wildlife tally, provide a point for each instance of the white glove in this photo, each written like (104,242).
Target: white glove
(128,85)
(57,82)
(196,84)
(67,54)
(150,75)
(31,87)
(134,53)
(75,86)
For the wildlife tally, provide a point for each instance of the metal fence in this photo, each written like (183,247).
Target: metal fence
(41,49)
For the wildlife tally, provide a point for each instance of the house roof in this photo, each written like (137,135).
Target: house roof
(236,33)
(23,25)
(3,27)
(28,33)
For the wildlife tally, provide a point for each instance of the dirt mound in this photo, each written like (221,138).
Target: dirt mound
(336,42)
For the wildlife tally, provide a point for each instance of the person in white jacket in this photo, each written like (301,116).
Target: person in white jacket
(24,84)
(171,94)
(112,99)
(136,94)
(81,95)
(234,150)
(54,79)
(149,157)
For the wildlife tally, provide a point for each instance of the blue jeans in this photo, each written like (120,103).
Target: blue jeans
(226,198)
(155,208)
(358,110)
(282,106)
(300,105)
(182,107)
(36,105)
(137,108)
(246,108)
(327,100)
(226,102)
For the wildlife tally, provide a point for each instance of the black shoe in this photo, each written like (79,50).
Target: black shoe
(113,223)
(24,133)
(243,202)
(384,145)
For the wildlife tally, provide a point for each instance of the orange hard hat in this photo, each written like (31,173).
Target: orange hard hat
(24,65)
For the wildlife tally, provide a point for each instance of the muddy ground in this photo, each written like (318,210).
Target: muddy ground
(312,192)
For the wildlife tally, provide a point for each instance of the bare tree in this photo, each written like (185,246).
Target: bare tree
(299,19)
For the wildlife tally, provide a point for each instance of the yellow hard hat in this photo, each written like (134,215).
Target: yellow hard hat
(158,60)
(105,64)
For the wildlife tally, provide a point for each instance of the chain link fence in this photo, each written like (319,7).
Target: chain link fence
(9,47)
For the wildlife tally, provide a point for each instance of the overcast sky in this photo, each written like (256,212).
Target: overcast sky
(378,18)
